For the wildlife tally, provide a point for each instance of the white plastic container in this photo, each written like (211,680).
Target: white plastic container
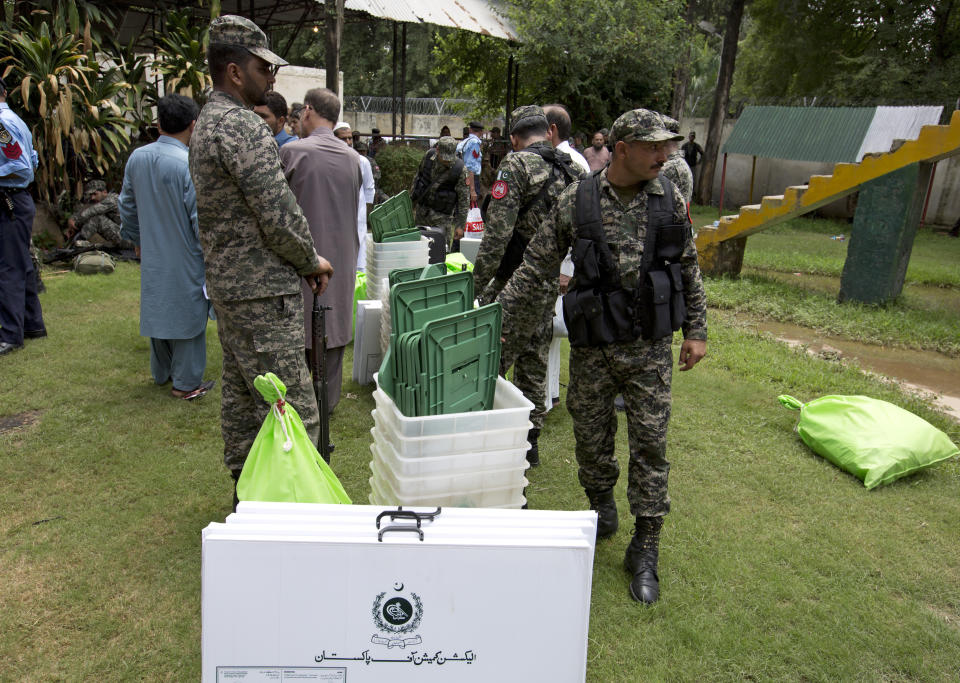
(450,444)
(462,479)
(508,497)
(511,411)
(391,247)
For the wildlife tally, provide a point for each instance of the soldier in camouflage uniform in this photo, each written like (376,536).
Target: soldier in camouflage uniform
(527,185)
(676,169)
(363,149)
(101,216)
(638,368)
(440,187)
(256,241)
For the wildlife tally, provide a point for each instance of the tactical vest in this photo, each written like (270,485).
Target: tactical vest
(599,310)
(440,194)
(562,168)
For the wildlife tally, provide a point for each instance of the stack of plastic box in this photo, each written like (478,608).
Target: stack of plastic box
(383,257)
(473,459)
(395,242)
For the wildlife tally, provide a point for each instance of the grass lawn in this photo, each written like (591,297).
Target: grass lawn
(791,273)
(774,564)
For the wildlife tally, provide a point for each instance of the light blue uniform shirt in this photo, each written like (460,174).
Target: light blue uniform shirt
(283,137)
(158,212)
(471,153)
(17,156)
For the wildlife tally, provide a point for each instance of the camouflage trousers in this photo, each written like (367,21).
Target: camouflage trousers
(529,357)
(641,371)
(108,231)
(259,336)
(435,219)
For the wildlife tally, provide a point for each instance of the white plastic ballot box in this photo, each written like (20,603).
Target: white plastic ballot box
(359,593)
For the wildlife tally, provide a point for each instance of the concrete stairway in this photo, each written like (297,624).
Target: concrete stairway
(720,248)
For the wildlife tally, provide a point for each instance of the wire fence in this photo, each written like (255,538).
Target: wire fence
(433,106)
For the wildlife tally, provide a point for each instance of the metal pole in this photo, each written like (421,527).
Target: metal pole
(403,82)
(926,201)
(753,173)
(723,182)
(506,115)
(393,99)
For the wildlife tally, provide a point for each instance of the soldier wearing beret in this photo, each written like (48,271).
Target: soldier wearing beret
(635,238)
(528,182)
(256,242)
(440,194)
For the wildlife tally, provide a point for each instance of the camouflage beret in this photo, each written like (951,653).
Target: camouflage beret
(527,115)
(641,125)
(446,149)
(240,31)
(92,186)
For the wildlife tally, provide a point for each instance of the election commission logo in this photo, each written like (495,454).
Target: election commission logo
(398,616)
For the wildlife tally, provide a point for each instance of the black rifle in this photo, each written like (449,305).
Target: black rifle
(318,368)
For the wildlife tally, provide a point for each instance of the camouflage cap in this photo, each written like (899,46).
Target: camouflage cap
(446,149)
(361,146)
(641,125)
(527,114)
(670,123)
(92,186)
(233,30)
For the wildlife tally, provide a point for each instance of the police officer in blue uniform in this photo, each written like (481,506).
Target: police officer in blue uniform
(20,314)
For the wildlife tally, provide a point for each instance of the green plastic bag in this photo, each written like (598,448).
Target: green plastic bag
(283,465)
(873,440)
(359,294)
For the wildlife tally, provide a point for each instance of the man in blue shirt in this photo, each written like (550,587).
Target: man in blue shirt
(158,211)
(469,151)
(274,114)
(20,313)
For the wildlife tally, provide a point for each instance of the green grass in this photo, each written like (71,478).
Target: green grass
(791,273)
(775,565)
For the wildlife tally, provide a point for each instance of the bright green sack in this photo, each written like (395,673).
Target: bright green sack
(283,465)
(873,440)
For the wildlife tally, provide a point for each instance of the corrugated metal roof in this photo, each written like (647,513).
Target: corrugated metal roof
(896,123)
(478,16)
(828,134)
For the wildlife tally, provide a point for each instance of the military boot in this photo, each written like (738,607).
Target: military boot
(601,500)
(533,455)
(641,559)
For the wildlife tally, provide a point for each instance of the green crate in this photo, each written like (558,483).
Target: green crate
(460,361)
(393,218)
(414,303)
(416,273)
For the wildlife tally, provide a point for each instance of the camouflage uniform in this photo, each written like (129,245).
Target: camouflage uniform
(639,370)
(256,246)
(102,218)
(424,211)
(520,178)
(676,169)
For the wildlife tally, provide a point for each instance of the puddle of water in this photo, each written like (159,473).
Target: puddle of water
(923,371)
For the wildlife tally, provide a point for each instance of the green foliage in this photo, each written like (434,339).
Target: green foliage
(182,56)
(851,49)
(599,57)
(398,166)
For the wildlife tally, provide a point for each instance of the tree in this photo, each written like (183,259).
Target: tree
(599,57)
(728,57)
(851,50)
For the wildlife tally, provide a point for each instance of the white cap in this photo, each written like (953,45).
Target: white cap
(341,124)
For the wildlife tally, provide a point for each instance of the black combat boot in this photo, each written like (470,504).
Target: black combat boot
(641,559)
(533,455)
(606,507)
